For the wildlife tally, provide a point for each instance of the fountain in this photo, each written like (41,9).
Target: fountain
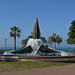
(35,47)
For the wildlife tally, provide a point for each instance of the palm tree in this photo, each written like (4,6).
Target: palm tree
(58,40)
(15,32)
(54,40)
(50,40)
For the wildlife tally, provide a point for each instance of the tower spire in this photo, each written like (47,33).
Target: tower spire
(36,31)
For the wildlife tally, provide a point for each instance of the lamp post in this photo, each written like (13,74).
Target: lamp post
(5,43)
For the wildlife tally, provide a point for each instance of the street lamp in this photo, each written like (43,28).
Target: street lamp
(5,43)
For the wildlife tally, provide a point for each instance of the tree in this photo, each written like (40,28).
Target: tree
(58,40)
(43,39)
(71,34)
(24,42)
(50,40)
(15,32)
(54,40)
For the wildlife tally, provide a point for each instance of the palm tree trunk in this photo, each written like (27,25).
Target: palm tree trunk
(54,46)
(15,43)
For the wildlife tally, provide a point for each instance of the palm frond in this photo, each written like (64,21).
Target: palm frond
(15,31)
(11,34)
(18,35)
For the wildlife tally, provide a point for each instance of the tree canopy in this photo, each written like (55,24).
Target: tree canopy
(50,40)
(71,34)
(58,40)
(54,39)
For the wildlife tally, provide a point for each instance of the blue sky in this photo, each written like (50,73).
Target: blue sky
(54,16)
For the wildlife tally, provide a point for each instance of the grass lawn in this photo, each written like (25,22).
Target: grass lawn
(4,50)
(6,66)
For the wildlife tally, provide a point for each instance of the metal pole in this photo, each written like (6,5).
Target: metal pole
(5,43)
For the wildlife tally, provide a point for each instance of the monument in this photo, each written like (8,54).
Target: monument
(35,45)
(36,31)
